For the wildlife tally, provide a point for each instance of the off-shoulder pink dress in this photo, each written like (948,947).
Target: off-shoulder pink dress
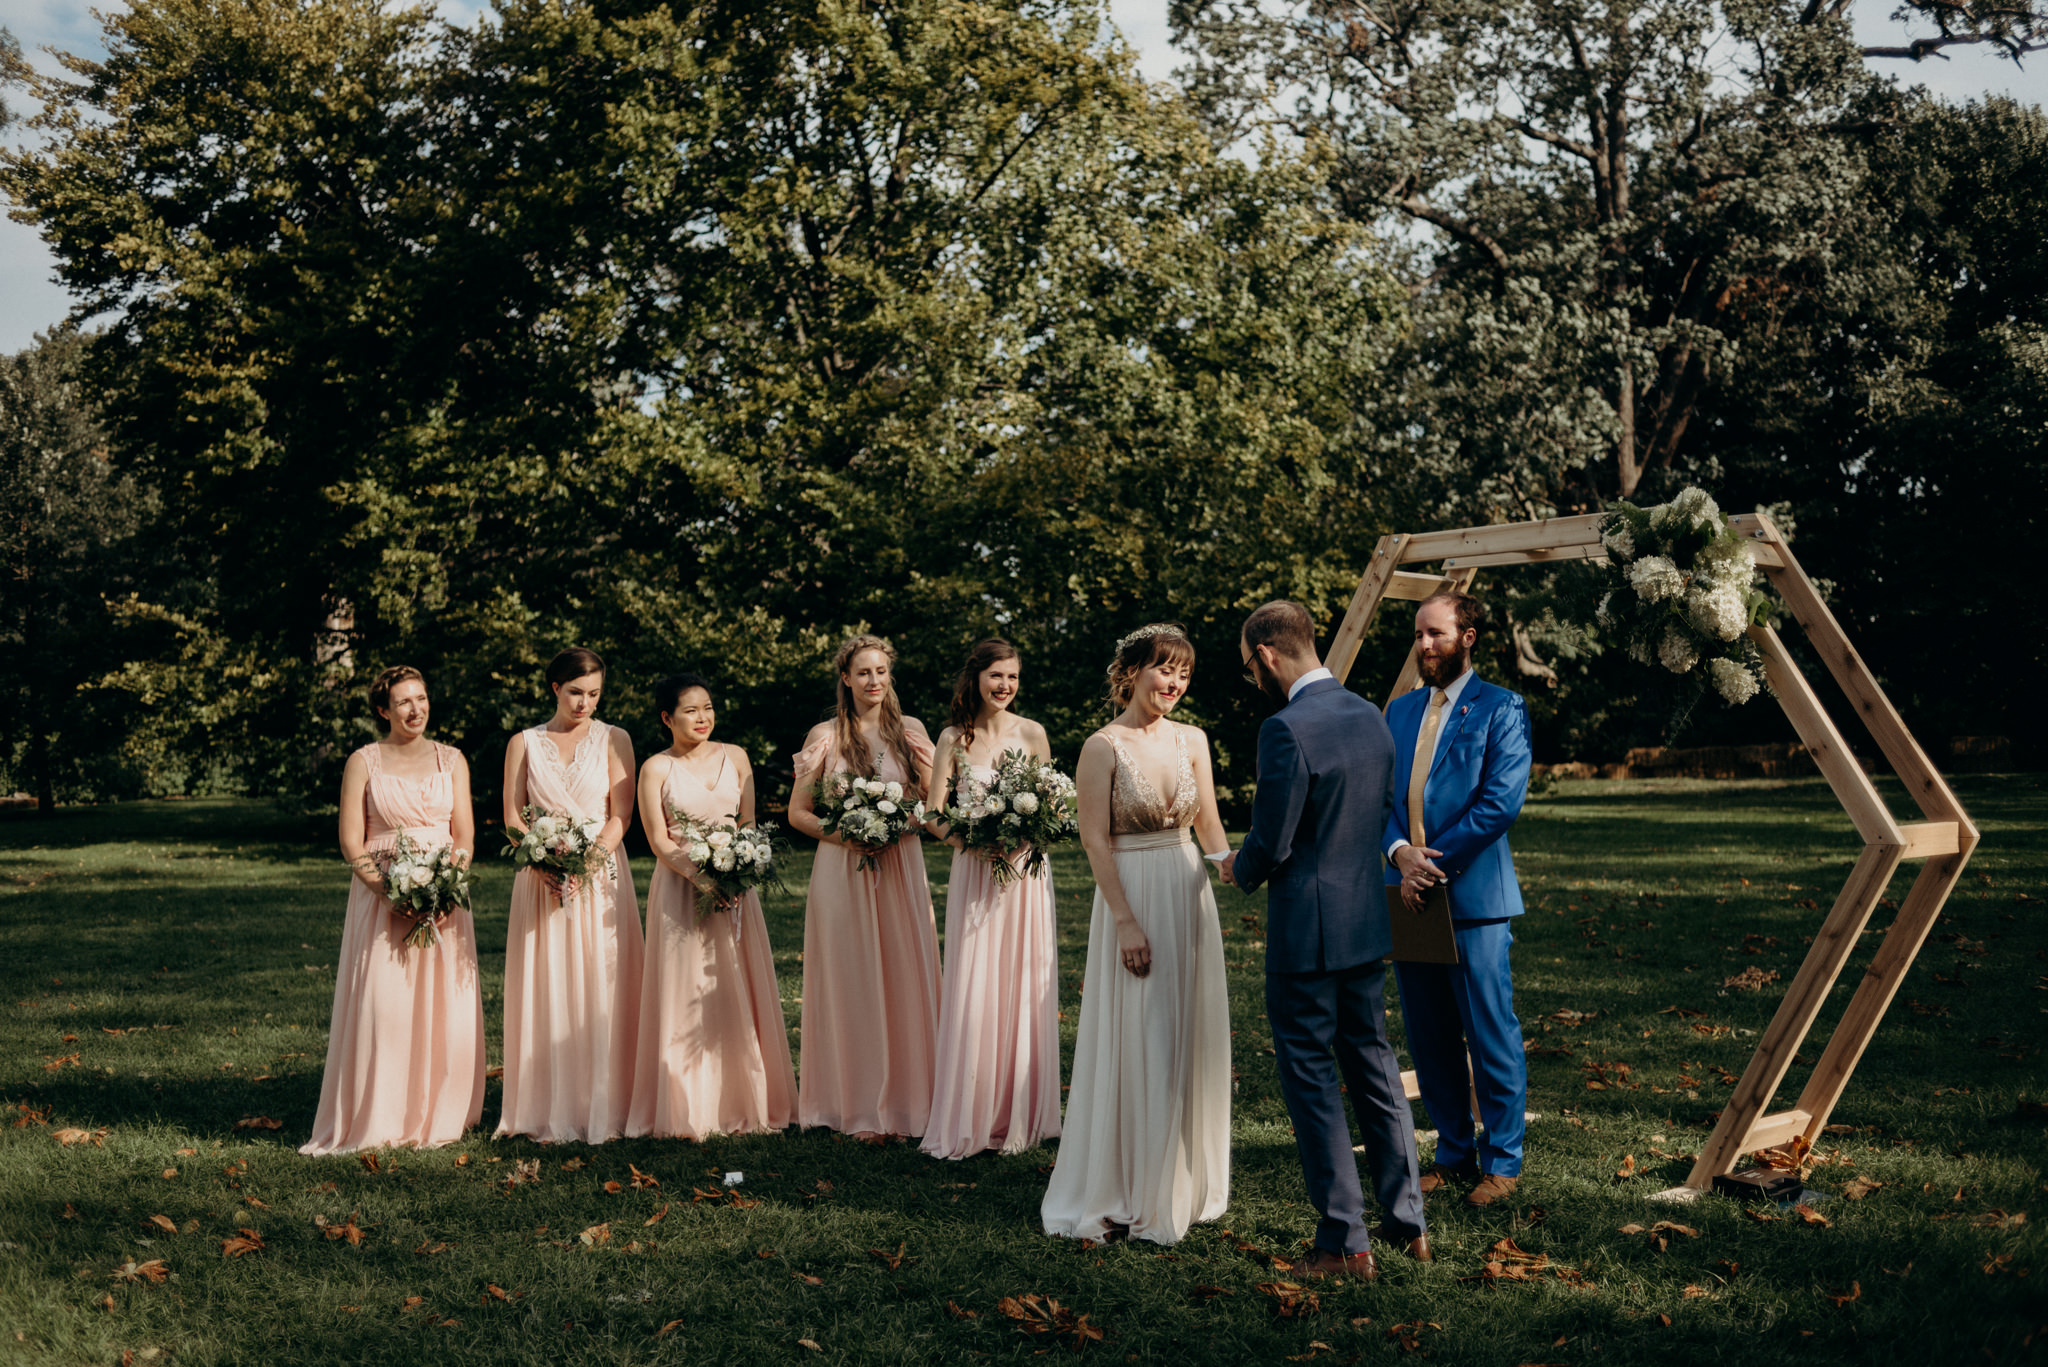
(405,1047)
(871,975)
(572,973)
(714,1047)
(998,1078)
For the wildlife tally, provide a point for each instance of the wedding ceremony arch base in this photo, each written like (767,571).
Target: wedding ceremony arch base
(1941,843)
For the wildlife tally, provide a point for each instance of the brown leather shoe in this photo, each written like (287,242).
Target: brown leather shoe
(1439,1177)
(1416,1248)
(1321,1263)
(1491,1188)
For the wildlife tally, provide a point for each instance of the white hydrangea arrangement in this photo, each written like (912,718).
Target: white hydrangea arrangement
(1682,592)
(1027,809)
(869,813)
(730,859)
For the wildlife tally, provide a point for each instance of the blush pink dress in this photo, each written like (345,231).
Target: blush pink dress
(871,975)
(405,1047)
(998,1076)
(572,973)
(714,1047)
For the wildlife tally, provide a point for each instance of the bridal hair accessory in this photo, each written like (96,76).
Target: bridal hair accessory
(1147,632)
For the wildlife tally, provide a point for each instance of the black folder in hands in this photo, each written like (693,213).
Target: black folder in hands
(1422,937)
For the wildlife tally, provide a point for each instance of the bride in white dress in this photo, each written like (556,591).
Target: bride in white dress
(1146,1146)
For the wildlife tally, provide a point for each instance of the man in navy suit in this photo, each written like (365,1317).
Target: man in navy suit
(1461,749)
(1325,793)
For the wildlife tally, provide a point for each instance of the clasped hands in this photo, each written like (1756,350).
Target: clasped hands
(1419,874)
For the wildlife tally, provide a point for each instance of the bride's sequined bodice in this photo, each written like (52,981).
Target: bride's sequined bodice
(1135,805)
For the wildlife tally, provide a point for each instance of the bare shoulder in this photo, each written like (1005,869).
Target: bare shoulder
(516,747)
(912,726)
(621,743)
(457,761)
(949,736)
(1195,735)
(822,731)
(1033,731)
(739,757)
(357,766)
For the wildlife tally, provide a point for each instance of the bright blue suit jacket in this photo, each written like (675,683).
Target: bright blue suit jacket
(1473,794)
(1326,788)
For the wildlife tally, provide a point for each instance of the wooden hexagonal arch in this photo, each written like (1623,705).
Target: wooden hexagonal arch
(1944,840)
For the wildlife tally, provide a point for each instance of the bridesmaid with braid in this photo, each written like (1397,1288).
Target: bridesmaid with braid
(405,1048)
(573,946)
(714,1048)
(871,949)
(998,1083)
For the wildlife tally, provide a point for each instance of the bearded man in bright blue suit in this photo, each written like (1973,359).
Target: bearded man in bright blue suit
(1449,829)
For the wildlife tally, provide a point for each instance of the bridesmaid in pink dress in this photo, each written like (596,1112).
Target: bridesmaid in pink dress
(998,1084)
(871,948)
(405,1047)
(714,1048)
(572,949)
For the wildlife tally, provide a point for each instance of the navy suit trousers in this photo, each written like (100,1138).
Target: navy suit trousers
(1324,1025)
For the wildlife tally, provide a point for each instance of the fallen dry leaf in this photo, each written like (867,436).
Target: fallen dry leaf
(141,1274)
(1627,1168)
(169,1173)
(1409,1335)
(426,1250)
(188,1153)
(348,1229)
(808,1280)
(573,1165)
(493,1292)
(1693,1293)
(1291,1300)
(1037,1314)
(893,1261)
(811,1344)
(164,1223)
(1758,1214)
(262,1122)
(668,1329)
(411,1302)
(957,1313)
(370,1162)
(1842,1298)
(596,1235)
(612,1188)
(461,1160)
(245,1241)
(1809,1216)
(642,1179)
(1856,1188)
(68,1136)
(657,1217)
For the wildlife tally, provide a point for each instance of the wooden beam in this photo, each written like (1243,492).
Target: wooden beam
(1507,536)
(1936,800)
(1895,954)
(1769,1131)
(1925,839)
(1413,587)
(1547,556)
(1852,786)
(1795,1015)
(1371,587)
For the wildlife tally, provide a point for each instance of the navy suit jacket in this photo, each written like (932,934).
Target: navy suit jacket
(1473,794)
(1325,792)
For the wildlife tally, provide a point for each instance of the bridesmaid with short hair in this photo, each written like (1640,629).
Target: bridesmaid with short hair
(572,947)
(405,1047)
(871,948)
(714,1047)
(998,1079)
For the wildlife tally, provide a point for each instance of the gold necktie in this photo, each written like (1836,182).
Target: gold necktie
(1425,754)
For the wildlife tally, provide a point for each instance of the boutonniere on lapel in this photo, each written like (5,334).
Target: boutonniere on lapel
(1463,710)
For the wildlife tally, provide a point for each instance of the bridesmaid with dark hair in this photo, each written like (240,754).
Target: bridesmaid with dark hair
(405,1047)
(714,1048)
(871,948)
(572,947)
(998,1077)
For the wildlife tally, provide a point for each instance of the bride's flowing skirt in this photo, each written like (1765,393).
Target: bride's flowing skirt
(1147,1139)
(998,1084)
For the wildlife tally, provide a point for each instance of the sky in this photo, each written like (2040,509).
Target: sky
(30,300)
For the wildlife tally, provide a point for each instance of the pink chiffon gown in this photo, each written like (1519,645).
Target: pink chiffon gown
(405,1047)
(871,975)
(714,1047)
(998,1075)
(572,973)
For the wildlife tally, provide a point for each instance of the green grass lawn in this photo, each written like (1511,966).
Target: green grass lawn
(166,971)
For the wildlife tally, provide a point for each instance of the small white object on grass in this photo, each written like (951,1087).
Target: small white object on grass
(1678,1196)
(733,1179)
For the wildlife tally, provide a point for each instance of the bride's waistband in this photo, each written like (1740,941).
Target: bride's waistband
(1151,840)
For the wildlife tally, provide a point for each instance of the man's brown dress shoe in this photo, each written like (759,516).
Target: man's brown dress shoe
(1321,1263)
(1416,1247)
(1439,1177)
(1491,1188)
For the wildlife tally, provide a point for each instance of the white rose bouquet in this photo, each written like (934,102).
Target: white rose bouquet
(562,847)
(1680,591)
(423,886)
(871,813)
(731,859)
(1028,807)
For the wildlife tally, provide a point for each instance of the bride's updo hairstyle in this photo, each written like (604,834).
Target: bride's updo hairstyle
(846,729)
(967,699)
(1158,643)
(381,686)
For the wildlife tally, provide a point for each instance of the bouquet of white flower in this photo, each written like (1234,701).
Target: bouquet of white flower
(730,859)
(868,812)
(1681,589)
(560,846)
(1028,806)
(423,885)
